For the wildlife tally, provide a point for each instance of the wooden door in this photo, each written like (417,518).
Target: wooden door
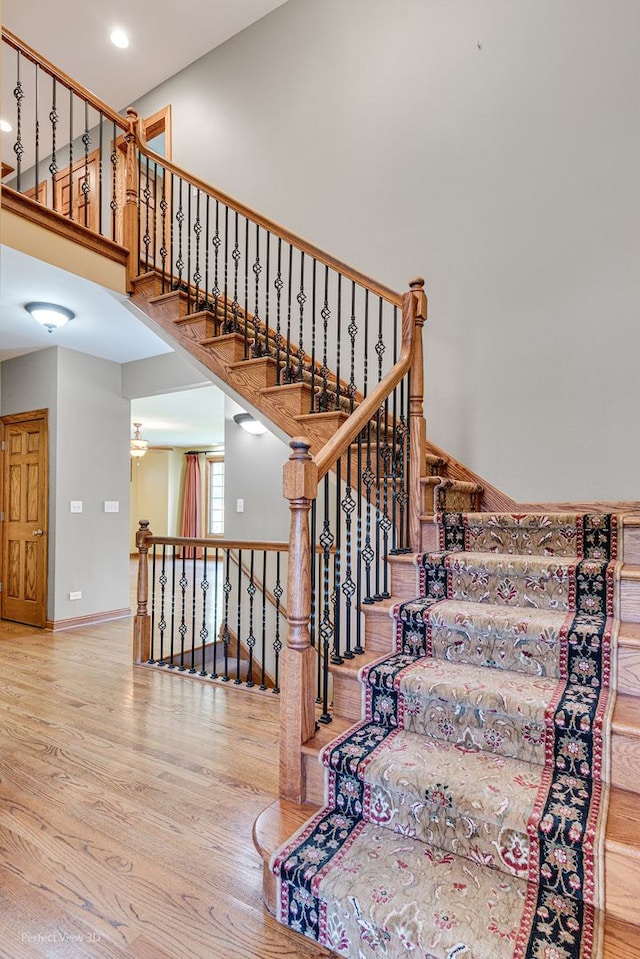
(76,191)
(25,507)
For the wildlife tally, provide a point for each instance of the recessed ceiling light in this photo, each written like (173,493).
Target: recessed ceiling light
(119,38)
(5,126)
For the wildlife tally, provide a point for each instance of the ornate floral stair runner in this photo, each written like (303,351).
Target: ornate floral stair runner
(465,814)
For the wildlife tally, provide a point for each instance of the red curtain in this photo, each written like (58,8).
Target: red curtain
(191,503)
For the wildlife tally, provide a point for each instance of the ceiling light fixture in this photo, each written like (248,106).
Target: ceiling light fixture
(137,446)
(119,38)
(5,126)
(49,315)
(249,423)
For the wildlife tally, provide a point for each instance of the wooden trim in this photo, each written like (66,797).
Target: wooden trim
(378,289)
(212,543)
(492,498)
(13,41)
(34,212)
(76,622)
(159,122)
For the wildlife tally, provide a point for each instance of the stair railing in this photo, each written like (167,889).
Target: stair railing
(323,599)
(214,609)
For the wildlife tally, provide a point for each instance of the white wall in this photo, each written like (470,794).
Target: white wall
(89,461)
(492,145)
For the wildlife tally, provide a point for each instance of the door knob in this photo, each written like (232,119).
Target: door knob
(37,532)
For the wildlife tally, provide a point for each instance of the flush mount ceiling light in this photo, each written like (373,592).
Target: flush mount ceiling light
(5,126)
(137,446)
(50,315)
(119,38)
(248,423)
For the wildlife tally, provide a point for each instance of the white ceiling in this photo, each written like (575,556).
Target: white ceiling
(76,39)
(164,37)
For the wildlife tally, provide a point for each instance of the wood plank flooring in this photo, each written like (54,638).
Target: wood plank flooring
(127,800)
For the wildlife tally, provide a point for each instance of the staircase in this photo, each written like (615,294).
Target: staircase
(433,789)
(325,353)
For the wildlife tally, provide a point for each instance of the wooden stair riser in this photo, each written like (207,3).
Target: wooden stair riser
(631,545)
(254,375)
(622,884)
(630,597)
(628,669)
(314,779)
(199,326)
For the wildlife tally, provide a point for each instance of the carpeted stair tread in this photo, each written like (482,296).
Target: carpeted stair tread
(498,710)
(389,894)
(547,534)
(482,634)
(479,808)
(540,582)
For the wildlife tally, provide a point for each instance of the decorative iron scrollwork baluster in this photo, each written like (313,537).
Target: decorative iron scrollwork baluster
(263,635)
(226,588)
(153,606)
(277,642)
(238,678)
(192,664)
(325,313)
(257,348)
(53,163)
(86,142)
(162,624)
(278,284)
(348,505)
(326,630)
(18,148)
(251,639)
(114,183)
(302,299)
(204,592)
(182,628)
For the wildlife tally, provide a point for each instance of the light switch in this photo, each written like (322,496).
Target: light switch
(75,506)
(239,506)
(111,506)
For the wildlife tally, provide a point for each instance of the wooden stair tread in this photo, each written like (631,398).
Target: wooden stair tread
(325,733)
(623,823)
(621,939)
(277,822)
(626,715)
(629,635)
(352,667)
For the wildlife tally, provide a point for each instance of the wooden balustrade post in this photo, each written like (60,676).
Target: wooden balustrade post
(130,223)
(142,621)
(297,703)
(417,422)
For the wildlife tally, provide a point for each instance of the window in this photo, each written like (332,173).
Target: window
(215,496)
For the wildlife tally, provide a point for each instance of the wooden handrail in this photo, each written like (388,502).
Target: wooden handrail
(64,78)
(272,547)
(348,432)
(391,296)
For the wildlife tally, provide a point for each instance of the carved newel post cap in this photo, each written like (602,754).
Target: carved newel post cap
(417,281)
(132,113)
(300,446)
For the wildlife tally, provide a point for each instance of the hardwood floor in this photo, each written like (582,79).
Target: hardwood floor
(127,800)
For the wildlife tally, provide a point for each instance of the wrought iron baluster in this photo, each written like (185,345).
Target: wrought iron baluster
(236,254)
(217,629)
(182,628)
(336,653)
(225,632)
(302,299)
(146,196)
(100,147)
(347,505)
(258,349)
(164,205)
(325,313)
(154,211)
(206,252)
(53,163)
(216,241)
(277,642)
(288,373)
(359,547)
(37,132)
(378,461)
(85,187)
(267,320)
(327,540)
(192,666)
(278,284)
(238,678)
(197,275)
(380,347)
(263,642)
(204,630)
(312,401)
(173,610)
(172,193)
(227,327)
(18,148)
(368,554)
(153,605)
(180,221)
(162,625)
(245,324)
(352,330)
(114,182)
(70,162)
(251,639)
(385,521)
(313,637)
(188,268)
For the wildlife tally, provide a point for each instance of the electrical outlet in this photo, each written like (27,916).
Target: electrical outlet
(77,594)
(111,506)
(75,506)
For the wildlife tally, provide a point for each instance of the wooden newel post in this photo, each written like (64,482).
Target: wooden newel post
(130,212)
(297,705)
(142,622)
(417,303)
